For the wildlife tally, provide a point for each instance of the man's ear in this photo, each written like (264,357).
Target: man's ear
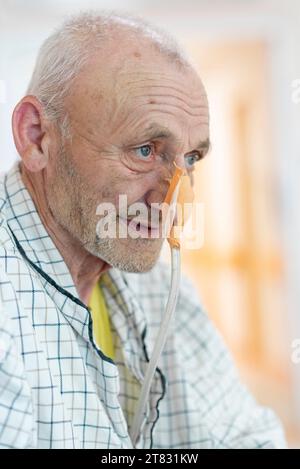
(30,136)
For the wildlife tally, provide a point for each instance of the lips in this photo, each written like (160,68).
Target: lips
(141,227)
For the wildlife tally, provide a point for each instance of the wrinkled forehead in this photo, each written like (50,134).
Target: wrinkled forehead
(135,92)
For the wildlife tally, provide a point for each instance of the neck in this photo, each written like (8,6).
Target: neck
(84,267)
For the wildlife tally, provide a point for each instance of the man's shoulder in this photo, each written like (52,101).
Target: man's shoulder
(6,242)
(3,200)
(3,217)
(10,258)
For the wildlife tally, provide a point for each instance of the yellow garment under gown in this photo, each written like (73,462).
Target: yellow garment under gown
(101,323)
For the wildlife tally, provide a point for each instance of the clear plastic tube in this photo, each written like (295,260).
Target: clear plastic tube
(159,344)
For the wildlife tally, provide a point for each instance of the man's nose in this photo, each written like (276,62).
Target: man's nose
(158,193)
(180,161)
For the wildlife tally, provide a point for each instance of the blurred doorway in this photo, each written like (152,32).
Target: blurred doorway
(239,270)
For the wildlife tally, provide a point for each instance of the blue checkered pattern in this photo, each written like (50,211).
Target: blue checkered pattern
(58,390)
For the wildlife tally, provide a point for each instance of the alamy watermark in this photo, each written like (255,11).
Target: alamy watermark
(184,222)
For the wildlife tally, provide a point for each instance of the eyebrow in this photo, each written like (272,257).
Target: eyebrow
(155,131)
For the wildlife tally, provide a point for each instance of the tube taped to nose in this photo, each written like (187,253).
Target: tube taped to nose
(180,192)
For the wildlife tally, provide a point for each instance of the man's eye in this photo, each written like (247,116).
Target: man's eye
(190,160)
(144,151)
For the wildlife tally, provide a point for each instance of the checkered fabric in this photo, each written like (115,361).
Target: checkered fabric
(58,390)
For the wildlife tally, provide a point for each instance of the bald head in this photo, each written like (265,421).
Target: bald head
(92,36)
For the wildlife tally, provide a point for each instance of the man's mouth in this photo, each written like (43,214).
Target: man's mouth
(143,228)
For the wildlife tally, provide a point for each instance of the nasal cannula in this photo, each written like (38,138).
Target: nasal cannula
(180,191)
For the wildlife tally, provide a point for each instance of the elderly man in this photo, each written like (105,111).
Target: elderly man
(113,103)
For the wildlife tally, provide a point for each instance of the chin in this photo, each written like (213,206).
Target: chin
(137,267)
(127,258)
(135,264)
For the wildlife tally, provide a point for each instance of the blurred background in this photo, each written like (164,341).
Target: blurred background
(248,270)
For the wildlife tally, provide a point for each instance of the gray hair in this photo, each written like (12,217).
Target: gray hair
(68,49)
